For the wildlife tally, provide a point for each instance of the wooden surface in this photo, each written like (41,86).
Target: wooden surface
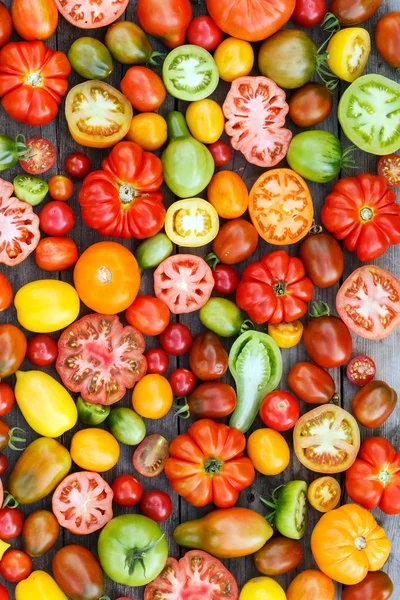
(385,353)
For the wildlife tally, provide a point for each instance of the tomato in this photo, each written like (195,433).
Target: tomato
(387,33)
(280,411)
(78,572)
(97,114)
(151,252)
(264,588)
(207,357)
(127,490)
(310,104)
(182,382)
(374,403)
(15,566)
(389,169)
(322,258)
(56,253)
(184,282)
(42,156)
(236,241)
(78,165)
(12,349)
(205,120)
(85,17)
(308,13)
(167,21)
(311,383)
(261,101)
(268,451)
(156,505)
(223,317)
(311,583)
(151,455)
(324,493)
(157,361)
(176,339)
(38,21)
(3,464)
(56,218)
(190,73)
(226,279)
(149,130)
(286,335)
(279,556)
(326,439)
(374,313)
(348,51)
(42,350)
(143,88)
(191,223)
(107,277)
(39,533)
(148,314)
(5,29)
(6,399)
(327,338)
(126,426)
(377,585)
(211,400)
(6,292)
(129,44)
(94,450)
(221,153)
(11,521)
(4,595)
(61,188)
(228,194)
(91,414)
(354,13)
(234,58)
(204,32)
(90,58)
(361,370)
(152,397)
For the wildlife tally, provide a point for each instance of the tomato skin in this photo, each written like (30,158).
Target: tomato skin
(361,370)
(387,33)
(374,403)
(151,455)
(308,13)
(152,396)
(182,382)
(167,20)
(42,350)
(6,293)
(268,451)
(235,242)
(279,411)
(327,341)
(5,25)
(234,58)
(143,88)
(210,400)
(7,399)
(94,450)
(228,194)
(377,585)
(127,490)
(11,522)
(149,130)
(156,505)
(61,188)
(205,120)
(43,158)
(355,12)
(207,357)
(56,253)
(148,314)
(389,169)
(176,339)
(40,532)
(324,493)
(311,583)
(204,32)
(56,218)
(15,566)
(221,153)
(226,279)
(3,464)
(157,361)
(279,556)
(78,572)
(13,346)
(311,383)
(78,165)
(323,259)
(36,21)
(348,52)
(310,104)
(4,595)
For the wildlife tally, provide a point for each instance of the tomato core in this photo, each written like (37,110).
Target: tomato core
(384,477)
(34,79)
(366,214)
(127,193)
(360,543)
(280,288)
(104,275)
(212,466)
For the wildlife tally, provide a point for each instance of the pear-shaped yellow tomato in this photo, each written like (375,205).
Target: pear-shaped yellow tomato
(46,405)
(205,120)
(348,52)
(39,586)
(94,450)
(46,305)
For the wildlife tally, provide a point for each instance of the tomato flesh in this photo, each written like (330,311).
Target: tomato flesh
(89,15)
(42,158)
(389,168)
(324,493)
(151,455)
(361,370)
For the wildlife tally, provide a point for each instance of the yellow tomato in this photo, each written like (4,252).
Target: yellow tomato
(348,52)
(228,194)
(268,451)
(234,58)
(286,335)
(191,223)
(3,548)
(205,120)
(46,305)
(152,396)
(324,493)
(149,130)
(262,588)
(39,586)
(94,450)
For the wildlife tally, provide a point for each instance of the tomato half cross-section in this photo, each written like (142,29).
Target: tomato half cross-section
(191,223)
(255,108)
(87,14)
(100,358)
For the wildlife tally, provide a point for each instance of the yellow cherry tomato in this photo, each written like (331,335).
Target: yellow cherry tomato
(94,450)
(228,194)
(205,120)
(286,335)
(262,588)
(46,305)
(152,396)
(234,58)
(268,451)
(149,130)
(191,223)
(324,493)
(39,586)
(348,51)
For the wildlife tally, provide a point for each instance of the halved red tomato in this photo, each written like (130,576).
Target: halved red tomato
(389,169)
(42,156)
(82,502)
(87,14)
(151,455)
(184,282)
(369,302)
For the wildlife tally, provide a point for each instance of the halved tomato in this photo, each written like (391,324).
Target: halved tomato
(191,223)
(42,156)
(324,493)
(151,455)
(369,302)
(97,114)
(87,14)
(389,169)
(82,502)
(184,282)
(281,207)
(326,439)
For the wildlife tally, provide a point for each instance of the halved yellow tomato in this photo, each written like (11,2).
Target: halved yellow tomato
(286,335)
(348,51)
(324,493)
(191,223)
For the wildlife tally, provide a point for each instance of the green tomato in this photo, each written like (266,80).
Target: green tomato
(132,550)
(30,189)
(190,73)
(90,413)
(222,316)
(291,510)
(126,426)
(153,251)
(129,44)
(90,58)
(12,150)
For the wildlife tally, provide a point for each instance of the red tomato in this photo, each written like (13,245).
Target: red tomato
(143,88)
(361,370)
(389,169)
(85,17)
(4,595)
(78,165)
(236,240)
(211,400)
(127,490)
(327,338)
(374,403)
(322,258)
(204,32)
(167,20)
(308,13)
(56,253)
(15,566)
(176,339)
(387,35)
(311,384)
(377,585)
(42,350)
(82,502)
(61,188)
(207,357)
(36,20)
(156,505)
(221,153)
(3,466)
(6,293)
(157,361)
(353,13)
(42,158)
(11,522)
(182,382)
(151,455)
(12,349)
(56,218)
(6,399)
(279,410)
(226,279)
(5,27)
(310,104)
(148,314)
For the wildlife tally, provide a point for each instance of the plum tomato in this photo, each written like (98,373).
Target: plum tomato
(279,410)
(56,218)
(6,292)
(42,156)
(61,188)
(204,32)
(279,556)
(150,456)
(311,383)
(15,565)
(208,359)
(322,258)
(236,240)
(78,165)
(156,505)
(42,350)
(389,169)
(310,104)
(268,451)
(377,585)
(148,314)
(176,339)
(40,532)
(308,13)
(361,370)
(374,403)
(182,382)
(226,279)
(7,399)
(11,522)
(327,338)
(127,490)
(221,153)
(157,361)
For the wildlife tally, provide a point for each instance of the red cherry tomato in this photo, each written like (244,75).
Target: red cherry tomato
(61,188)
(204,32)
(182,382)
(11,522)
(361,370)
(157,361)
(6,399)
(280,410)
(148,314)
(226,279)
(308,13)
(56,218)
(78,165)
(4,595)
(127,490)
(15,566)
(176,339)
(221,153)
(42,350)
(156,505)
(3,467)
(389,168)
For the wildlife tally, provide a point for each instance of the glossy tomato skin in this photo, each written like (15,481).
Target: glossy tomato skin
(279,410)
(40,532)
(143,88)
(152,396)
(279,555)
(148,314)
(56,253)
(94,449)
(361,370)
(207,357)
(355,12)
(7,399)
(6,293)
(3,463)
(308,13)
(176,339)
(221,153)
(4,595)
(268,451)
(11,522)
(387,34)
(167,21)
(211,400)
(374,403)
(228,194)
(15,566)
(43,158)
(156,505)
(226,279)
(323,259)
(182,382)
(78,572)
(157,361)
(42,350)
(204,32)
(78,165)
(149,130)
(311,104)
(151,455)
(127,490)
(234,58)
(377,585)
(12,349)
(327,341)
(236,241)
(61,188)
(56,218)
(311,583)
(5,25)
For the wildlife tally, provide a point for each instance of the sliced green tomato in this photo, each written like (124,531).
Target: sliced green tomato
(190,73)
(291,510)
(153,251)
(369,113)
(90,413)
(191,223)
(30,189)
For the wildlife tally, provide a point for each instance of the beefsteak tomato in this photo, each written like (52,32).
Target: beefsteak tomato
(87,15)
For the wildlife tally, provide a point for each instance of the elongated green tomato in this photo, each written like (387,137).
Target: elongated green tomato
(126,426)
(150,253)
(129,44)
(290,508)
(190,73)
(30,189)
(222,316)
(90,58)
(12,150)
(91,414)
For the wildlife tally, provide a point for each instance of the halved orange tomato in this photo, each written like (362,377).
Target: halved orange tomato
(324,493)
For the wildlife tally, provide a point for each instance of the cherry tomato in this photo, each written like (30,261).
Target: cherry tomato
(149,130)
(176,339)
(78,165)
(6,399)
(324,493)
(157,361)
(226,279)
(221,153)
(56,218)
(361,370)
(156,505)
(234,58)
(279,410)
(151,455)
(6,293)
(268,451)
(42,350)
(4,595)
(389,168)
(42,158)
(127,490)
(61,188)
(182,382)
(152,396)
(308,13)
(3,466)
(204,32)
(11,522)
(148,314)
(15,566)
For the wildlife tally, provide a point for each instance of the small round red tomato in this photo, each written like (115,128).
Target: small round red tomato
(6,399)
(61,188)
(221,153)
(176,339)
(127,490)
(204,32)
(361,370)
(389,169)
(143,88)
(42,350)
(236,241)
(56,218)
(4,595)
(3,466)
(208,358)
(279,410)
(148,314)
(156,505)
(157,361)
(78,165)
(322,258)
(326,338)
(151,455)
(11,522)
(42,156)
(15,566)
(6,293)
(182,382)
(226,279)
(56,253)
(5,25)
(308,13)
(310,104)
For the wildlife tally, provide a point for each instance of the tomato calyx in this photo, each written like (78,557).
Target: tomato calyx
(360,543)
(279,288)
(212,466)
(331,23)
(20,150)
(9,500)
(272,502)
(16,435)
(319,309)
(136,556)
(181,407)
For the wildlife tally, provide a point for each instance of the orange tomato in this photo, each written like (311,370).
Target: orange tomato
(228,194)
(6,293)
(268,451)
(324,493)
(149,130)
(311,584)
(152,396)
(107,277)
(34,20)
(94,449)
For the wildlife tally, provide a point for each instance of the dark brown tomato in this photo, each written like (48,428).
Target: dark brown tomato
(311,383)
(310,104)
(279,555)
(210,400)
(207,357)
(322,258)
(376,586)
(236,241)
(327,339)
(78,573)
(40,532)
(352,12)
(374,403)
